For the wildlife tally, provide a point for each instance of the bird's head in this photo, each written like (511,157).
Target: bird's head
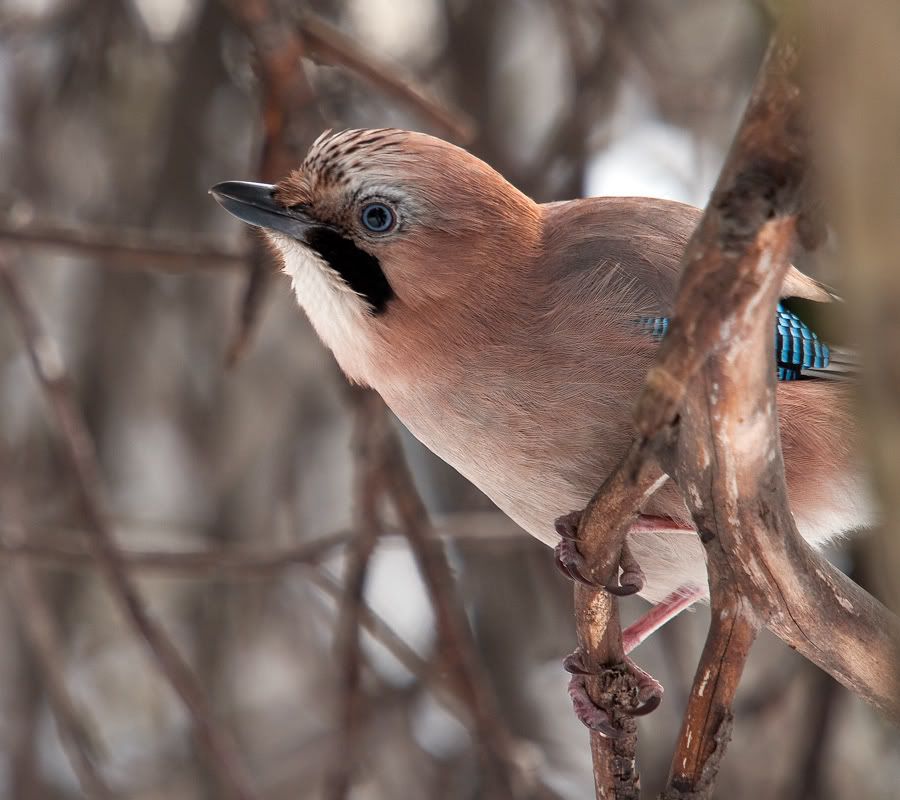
(383,231)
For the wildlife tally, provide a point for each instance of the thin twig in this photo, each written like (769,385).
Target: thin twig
(125,248)
(380,630)
(328,44)
(286,97)
(348,649)
(39,630)
(486,528)
(81,455)
(458,649)
(217,564)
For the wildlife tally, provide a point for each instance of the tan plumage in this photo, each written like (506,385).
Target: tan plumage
(510,346)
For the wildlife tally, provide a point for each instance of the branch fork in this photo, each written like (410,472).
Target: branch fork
(761,573)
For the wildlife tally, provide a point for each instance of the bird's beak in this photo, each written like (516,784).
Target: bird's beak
(255,204)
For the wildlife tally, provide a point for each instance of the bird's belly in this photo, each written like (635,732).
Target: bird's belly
(537,471)
(533,495)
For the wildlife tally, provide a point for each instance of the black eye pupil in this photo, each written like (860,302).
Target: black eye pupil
(377,217)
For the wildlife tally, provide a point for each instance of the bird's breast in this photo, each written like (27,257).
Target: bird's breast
(520,453)
(336,311)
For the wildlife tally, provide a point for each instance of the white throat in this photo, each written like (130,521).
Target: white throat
(338,314)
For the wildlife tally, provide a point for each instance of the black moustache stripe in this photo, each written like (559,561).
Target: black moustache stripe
(359,270)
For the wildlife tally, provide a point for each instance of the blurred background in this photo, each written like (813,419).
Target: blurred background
(233,457)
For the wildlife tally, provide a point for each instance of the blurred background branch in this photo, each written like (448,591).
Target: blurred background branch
(117,115)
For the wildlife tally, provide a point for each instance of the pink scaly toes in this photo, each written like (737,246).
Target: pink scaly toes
(646,691)
(571,563)
(631,581)
(589,714)
(568,559)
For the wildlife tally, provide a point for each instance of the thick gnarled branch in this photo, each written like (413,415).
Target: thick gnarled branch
(712,390)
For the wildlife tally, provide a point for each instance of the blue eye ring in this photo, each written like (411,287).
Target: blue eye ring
(377,217)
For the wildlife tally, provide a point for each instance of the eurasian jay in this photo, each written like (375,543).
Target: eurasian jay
(512,338)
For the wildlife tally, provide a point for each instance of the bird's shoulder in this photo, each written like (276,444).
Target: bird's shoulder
(626,245)
(634,244)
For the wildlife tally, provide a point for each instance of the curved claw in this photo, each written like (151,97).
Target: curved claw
(568,561)
(650,690)
(632,580)
(567,525)
(563,568)
(574,664)
(590,715)
(624,589)
(647,707)
(570,573)
(649,695)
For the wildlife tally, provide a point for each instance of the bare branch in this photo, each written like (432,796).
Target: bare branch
(706,729)
(458,648)
(601,536)
(197,563)
(708,414)
(286,97)
(370,432)
(39,628)
(326,43)
(125,249)
(489,529)
(80,452)
(802,598)
(729,463)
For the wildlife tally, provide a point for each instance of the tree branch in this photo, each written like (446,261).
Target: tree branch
(125,248)
(326,43)
(708,415)
(80,452)
(458,649)
(488,528)
(740,253)
(729,465)
(601,536)
(40,631)
(237,562)
(370,433)
(286,98)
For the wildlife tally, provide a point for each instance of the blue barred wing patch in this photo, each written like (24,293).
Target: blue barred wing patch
(796,345)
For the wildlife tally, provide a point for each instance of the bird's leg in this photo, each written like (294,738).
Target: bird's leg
(645,691)
(659,615)
(649,691)
(571,563)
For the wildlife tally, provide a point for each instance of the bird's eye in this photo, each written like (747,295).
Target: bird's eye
(377,217)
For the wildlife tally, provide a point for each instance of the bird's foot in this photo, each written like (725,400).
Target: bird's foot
(572,564)
(569,560)
(625,689)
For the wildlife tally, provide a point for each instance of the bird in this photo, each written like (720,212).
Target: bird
(512,338)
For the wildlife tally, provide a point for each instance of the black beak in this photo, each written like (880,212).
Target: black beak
(255,204)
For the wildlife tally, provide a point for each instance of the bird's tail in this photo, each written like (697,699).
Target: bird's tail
(843,364)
